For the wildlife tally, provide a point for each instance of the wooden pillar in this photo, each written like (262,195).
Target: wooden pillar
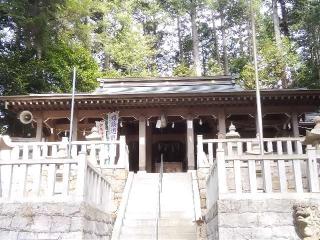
(149,149)
(39,121)
(222,124)
(294,122)
(190,144)
(142,144)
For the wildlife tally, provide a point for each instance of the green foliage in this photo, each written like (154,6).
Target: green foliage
(183,70)
(214,68)
(247,77)
(22,73)
(41,41)
(60,61)
(130,51)
(273,62)
(306,26)
(118,74)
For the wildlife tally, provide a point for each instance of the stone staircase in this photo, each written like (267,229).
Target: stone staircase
(177,208)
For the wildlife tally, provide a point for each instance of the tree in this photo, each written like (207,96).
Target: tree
(42,40)
(305,25)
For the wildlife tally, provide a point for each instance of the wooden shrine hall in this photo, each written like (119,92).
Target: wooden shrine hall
(186,107)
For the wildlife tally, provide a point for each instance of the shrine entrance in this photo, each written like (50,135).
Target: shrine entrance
(173,153)
(170,142)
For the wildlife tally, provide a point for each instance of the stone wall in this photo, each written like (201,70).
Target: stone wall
(117,178)
(253,219)
(202,173)
(46,221)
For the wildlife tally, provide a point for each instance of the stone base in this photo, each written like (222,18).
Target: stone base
(202,174)
(253,219)
(53,221)
(117,178)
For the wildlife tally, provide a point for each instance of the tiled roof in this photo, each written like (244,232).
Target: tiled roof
(167,85)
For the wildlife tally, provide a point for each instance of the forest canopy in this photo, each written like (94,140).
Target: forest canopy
(42,40)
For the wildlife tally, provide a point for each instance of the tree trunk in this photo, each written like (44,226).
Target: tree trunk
(249,37)
(224,44)
(18,37)
(180,54)
(276,23)
(195,41)
(215,38)
(241,44)
(284,22)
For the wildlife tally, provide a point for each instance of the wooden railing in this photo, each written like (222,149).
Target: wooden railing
(54,180)
(102,153)
(242,175)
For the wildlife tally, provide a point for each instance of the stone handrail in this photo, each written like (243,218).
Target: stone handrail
(102,153)
(94,186)
(54,180)
(244,175)
(122,208)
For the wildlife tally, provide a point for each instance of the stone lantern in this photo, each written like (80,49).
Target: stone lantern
(313,136)
(233,134)
(94,135)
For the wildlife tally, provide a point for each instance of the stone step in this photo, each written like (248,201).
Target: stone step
(163,222)
(128,237)
(163,230)
(173,196)
(144,203)
(177,209)
(178,214)
(136,194)
(165,209)
(141,216)
(135,212)
(138,222)
(125,236)
(161,236)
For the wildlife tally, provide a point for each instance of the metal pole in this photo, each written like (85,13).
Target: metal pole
(72,109)
(258,98)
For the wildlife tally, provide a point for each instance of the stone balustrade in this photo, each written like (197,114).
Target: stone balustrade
(54,180)
(235,173)
(254,195)
(100,153)
(43,175)
(207,148)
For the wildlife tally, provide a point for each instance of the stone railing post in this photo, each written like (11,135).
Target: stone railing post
(63,147)
(221,171)
(5,147)
(312,170)
(123,161)
(82,175)
(201,158)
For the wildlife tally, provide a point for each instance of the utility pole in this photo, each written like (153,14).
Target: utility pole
(72,110)
(258,98)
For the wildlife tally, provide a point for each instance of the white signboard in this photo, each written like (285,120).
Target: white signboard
(101,126)
(112,134)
